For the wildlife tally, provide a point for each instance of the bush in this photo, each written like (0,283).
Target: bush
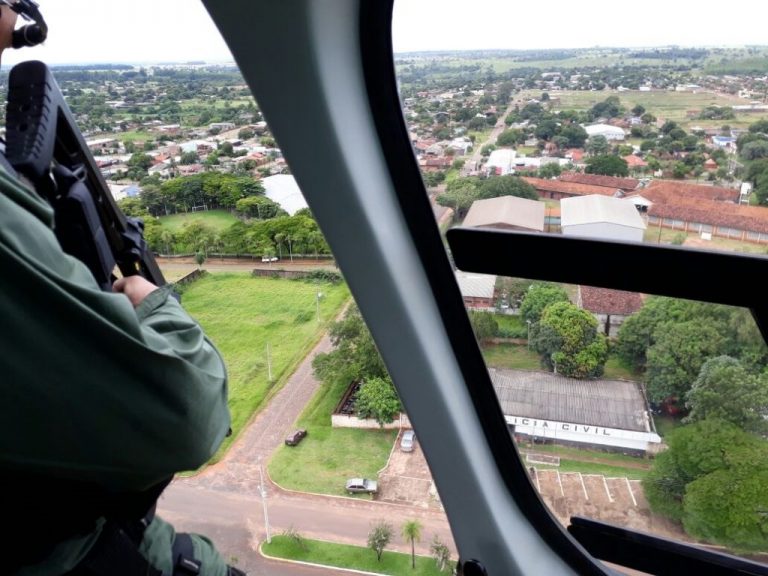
(324,276)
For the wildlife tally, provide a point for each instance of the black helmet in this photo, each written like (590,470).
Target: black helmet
(31,34)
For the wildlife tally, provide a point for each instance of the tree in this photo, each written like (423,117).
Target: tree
(510,137)
(538,296)
(676,357)
(459,195)
(412,531)
(575,134)
(199,259)
(377,398)
(484,324)
(713,478)
(509,185)
(607,165)
(566,337)
(355,356)
(724,389)
(550,170)
(440,553)
(379,536)
(598,145)
(638,110)
(246,133)
(188,157)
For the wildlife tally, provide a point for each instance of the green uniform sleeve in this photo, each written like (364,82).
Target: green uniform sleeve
(92,388)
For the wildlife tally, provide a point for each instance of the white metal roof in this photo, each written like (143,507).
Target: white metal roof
(595,208)
(475,285)
(282,188)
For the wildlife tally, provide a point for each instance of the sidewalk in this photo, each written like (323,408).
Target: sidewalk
(239,470)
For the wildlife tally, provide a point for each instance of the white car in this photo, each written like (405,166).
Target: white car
(269,258)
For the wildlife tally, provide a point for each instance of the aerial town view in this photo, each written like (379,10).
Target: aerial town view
(639,410)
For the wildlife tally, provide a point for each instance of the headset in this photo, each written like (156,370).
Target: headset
(30,34)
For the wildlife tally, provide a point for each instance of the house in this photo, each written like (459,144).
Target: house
(221,126)
(609,307)
(162,169)
(507,213)
(557,190)
(605,217)
(635,162)
(478,290)
(501,161)
(606,130)
(614,183)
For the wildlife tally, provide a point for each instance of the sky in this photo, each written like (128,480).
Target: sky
(181,30)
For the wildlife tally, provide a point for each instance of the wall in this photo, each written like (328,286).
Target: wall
(342,421)
(605,231)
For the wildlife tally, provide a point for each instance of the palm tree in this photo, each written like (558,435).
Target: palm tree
(412,532)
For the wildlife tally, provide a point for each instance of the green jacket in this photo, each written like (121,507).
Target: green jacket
(91,389)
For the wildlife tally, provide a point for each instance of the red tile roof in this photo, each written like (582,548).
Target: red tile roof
(740,217)
(668,191)
(626,184)
(635,161)
(606,301)
(544,185)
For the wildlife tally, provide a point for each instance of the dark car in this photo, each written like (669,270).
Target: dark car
(295,437)
(361,486)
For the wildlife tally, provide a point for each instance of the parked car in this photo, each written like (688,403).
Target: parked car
(295,437)
(362,486)
(269,258)
(407,441)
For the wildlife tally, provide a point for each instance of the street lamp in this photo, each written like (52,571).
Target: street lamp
(529,334)
(317,305)
(554,363)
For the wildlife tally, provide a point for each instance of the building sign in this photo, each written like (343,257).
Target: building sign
(559,426)
(587,433)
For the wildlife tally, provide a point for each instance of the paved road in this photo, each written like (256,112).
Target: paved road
(478,146)
(224,501)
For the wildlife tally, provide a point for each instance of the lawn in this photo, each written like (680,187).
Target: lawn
(219,220)
(511,356)
(724,244)
(586,455)
(243,315)
(353,557)
(595,468)
(328,456)
(519,357)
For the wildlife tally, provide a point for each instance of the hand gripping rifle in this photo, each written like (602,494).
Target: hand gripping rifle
(44,145)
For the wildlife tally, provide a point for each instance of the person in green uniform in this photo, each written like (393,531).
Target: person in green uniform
(103,397)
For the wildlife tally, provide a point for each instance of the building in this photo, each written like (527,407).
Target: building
(507,213)
(283,189)
(557,190)
(626,185)
(478,290)
(606,130)
(611,414)
(609,307)
(603,217)
(501,161)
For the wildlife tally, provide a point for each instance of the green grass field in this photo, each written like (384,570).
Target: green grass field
(243,314)
(728,245)
(219,220)
(595,468)
(518,357)
(328,456)
(353,557)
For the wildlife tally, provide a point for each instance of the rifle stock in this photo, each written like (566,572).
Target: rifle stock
(45,145)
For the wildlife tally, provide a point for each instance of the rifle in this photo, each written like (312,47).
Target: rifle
(44,145)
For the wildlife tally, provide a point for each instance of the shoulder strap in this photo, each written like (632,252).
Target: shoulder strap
(115,554)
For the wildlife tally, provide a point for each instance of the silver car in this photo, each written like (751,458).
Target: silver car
(361,486)
(407,441)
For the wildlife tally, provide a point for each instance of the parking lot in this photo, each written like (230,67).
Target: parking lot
(406,479)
